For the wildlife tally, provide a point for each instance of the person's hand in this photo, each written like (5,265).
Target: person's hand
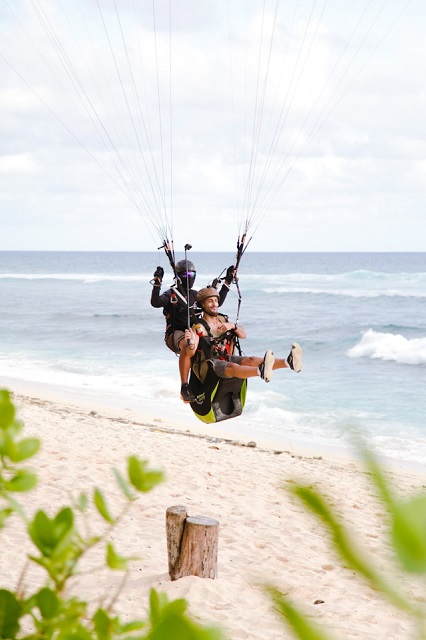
(229,274)
(159,273)
(227,326)
(190,339)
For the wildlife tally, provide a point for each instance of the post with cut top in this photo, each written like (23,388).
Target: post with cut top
(192,544)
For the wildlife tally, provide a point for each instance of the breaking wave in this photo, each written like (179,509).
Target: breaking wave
(390,347)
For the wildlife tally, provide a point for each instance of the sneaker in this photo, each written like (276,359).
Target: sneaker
(294,359)
(186,393)
(265,367)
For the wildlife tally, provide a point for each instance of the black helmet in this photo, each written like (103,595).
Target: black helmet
(185,270)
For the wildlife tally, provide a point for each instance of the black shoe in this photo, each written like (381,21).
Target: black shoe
(294,359)
(265,367)
(186,393)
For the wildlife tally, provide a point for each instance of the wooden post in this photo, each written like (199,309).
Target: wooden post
(192,544)
(175,524)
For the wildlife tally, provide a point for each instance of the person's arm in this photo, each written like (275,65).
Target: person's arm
(240,332)
(157,301)
(225,287)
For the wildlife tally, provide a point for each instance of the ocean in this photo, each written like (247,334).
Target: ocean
(82,322)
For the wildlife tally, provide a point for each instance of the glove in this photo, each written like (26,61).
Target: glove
(229,274)
(159,273)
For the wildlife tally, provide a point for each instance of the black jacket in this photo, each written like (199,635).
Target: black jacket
(175,309)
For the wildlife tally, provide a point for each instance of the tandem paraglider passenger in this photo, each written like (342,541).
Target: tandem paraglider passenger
(179,308)
(214,330)
(219,376)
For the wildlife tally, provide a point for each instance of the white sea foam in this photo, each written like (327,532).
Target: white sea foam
(78,277)
(355,284)
(403,292)
(390,346)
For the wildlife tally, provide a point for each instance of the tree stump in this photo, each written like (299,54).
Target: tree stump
(192,544)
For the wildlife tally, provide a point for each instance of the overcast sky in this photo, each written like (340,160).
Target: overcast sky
(309,118)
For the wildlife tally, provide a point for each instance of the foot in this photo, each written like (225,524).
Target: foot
(294,359)
(186,393)
(265,367)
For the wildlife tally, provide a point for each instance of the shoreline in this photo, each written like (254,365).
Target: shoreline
(121,409)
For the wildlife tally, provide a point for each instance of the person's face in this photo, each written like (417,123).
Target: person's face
(211,305)
(187,279)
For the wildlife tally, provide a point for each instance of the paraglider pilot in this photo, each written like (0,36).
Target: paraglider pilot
(175,304)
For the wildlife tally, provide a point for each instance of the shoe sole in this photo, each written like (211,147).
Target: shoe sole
(296,352)
(189,396)
(187,401)
(268,360)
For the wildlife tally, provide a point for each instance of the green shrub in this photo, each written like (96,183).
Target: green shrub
(407,537)
(49,612)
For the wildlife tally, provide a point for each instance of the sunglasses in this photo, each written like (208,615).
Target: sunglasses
(188,274)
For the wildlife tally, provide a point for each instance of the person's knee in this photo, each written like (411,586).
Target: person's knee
(230,370)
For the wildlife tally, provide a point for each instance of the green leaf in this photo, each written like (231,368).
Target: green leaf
(48,603)
(7,409)
(15,506)
(111,627)
(160,606)
(18,451)
(102,507)
(10,611)
(409,533)
(346,548)
(52,535)
(102,624)
(143,479)
(82,502)
(116,562)
(297,621)
(23,450)
(22,481)
(124,486)
(4,515)
(135,625)
(408,520)
(179,627)
(157,602)
(154,606)
(377,476)
(77,633)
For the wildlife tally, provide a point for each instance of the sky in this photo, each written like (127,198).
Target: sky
(121,125)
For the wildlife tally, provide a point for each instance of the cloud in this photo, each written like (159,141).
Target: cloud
(318,131)
(16,164)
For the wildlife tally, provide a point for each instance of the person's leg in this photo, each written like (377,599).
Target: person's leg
(255,361)
(280,363)
(251,367)
(241,371)
(186,351)
(184,362)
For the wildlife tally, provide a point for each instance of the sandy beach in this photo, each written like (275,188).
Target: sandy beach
(265,534)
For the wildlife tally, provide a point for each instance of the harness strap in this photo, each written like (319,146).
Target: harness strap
(178,293)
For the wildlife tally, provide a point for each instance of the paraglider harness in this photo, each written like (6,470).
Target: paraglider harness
(216,399)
